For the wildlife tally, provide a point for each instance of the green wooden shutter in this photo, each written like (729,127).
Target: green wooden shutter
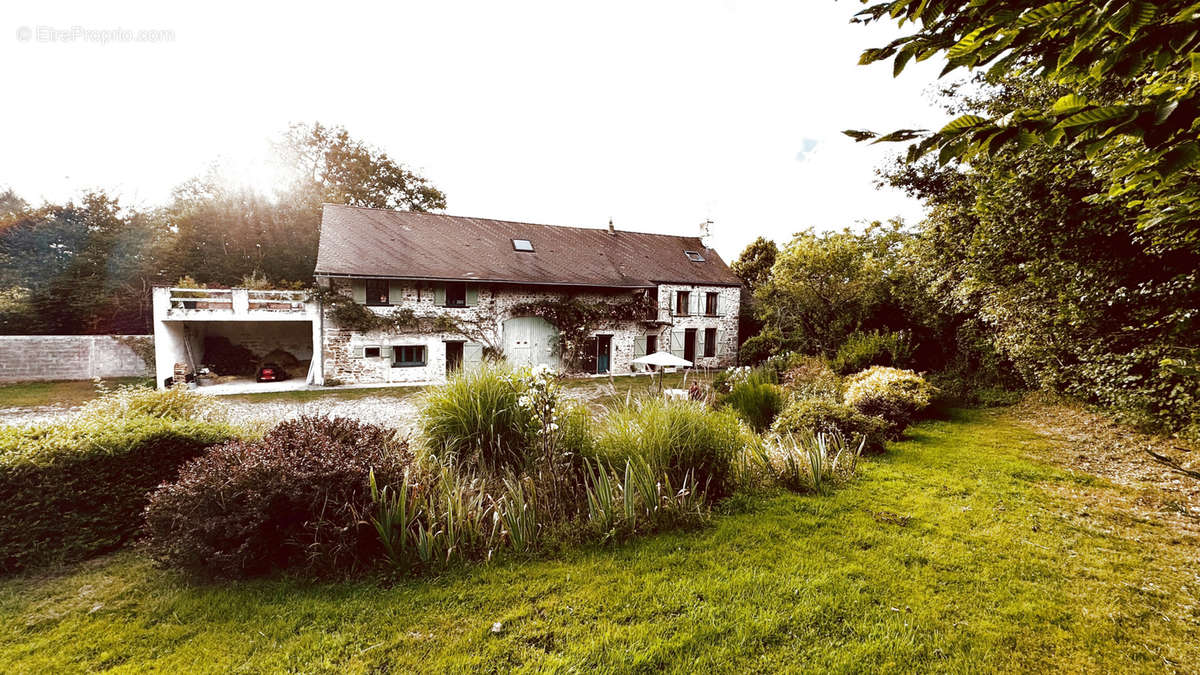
(439,295)
(639,346)
(717,349)
(472,295)
(720,304)
(472,355)
(700,343)
(360,290)
(395,292)
(359,352)
(694,307)
(677,343)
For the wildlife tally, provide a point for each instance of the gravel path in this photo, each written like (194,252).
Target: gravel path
(391,411)
(399,413)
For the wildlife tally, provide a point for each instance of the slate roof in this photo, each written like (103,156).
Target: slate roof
(365,242)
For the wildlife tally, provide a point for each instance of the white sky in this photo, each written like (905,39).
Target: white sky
(658,115)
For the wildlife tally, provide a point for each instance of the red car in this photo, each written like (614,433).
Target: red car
(271,372)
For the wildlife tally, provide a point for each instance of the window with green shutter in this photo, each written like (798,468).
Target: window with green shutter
(408,356)
(682,302)
(378,293)
(456,294)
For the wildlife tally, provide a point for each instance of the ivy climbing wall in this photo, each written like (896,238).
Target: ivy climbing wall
(357,356)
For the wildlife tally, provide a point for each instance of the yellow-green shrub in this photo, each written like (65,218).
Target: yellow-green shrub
(77,488)
(889,393)
(818,415)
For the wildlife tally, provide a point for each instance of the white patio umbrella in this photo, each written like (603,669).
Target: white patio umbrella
(661,359)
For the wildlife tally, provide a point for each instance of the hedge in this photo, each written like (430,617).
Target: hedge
(72,490)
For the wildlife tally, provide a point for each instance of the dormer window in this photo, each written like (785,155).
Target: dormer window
(694,256)
(523,245)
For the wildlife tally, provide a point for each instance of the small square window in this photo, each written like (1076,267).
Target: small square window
(694,256)
(372,352)
(522,245)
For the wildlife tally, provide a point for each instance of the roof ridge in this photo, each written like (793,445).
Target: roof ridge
(510,222)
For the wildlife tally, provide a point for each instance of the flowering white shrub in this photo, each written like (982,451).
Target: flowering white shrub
(731,377)
(541,397)
(891,393)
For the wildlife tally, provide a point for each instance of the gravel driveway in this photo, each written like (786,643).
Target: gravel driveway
(392,411)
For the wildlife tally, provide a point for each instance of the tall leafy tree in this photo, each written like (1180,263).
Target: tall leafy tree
(753,267)
(1129,71)
(226,233)
(1067,285)
(340,169)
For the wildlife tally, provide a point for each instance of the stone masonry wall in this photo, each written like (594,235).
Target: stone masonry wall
(68,357)
(725,321)
(495,304)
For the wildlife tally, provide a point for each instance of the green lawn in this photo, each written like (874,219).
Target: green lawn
(958,551)
(64,393)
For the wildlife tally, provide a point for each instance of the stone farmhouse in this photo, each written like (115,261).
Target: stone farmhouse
(408,297)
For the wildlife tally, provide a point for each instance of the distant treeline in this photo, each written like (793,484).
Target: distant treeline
(87,265)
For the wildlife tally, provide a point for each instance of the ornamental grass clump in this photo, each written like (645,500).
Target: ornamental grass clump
(635,499)
(809,462)
(812,377)
(755,400)
(891,394)
(176,403)
(676,439)
(477,418)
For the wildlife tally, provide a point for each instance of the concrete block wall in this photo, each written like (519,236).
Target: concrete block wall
(26,358)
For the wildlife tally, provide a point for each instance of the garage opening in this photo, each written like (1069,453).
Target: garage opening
(236,356)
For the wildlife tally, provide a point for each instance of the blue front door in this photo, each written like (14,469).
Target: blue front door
(603,353)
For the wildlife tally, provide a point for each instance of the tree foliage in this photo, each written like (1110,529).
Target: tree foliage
(87,266)
(1070,289)
(1130,74)
(343,170)
(753,267)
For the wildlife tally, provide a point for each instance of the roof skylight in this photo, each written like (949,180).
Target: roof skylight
(694,256)
(522,245)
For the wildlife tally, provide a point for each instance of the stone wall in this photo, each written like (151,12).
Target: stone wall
(725,320)
(494,304)
(69,357)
